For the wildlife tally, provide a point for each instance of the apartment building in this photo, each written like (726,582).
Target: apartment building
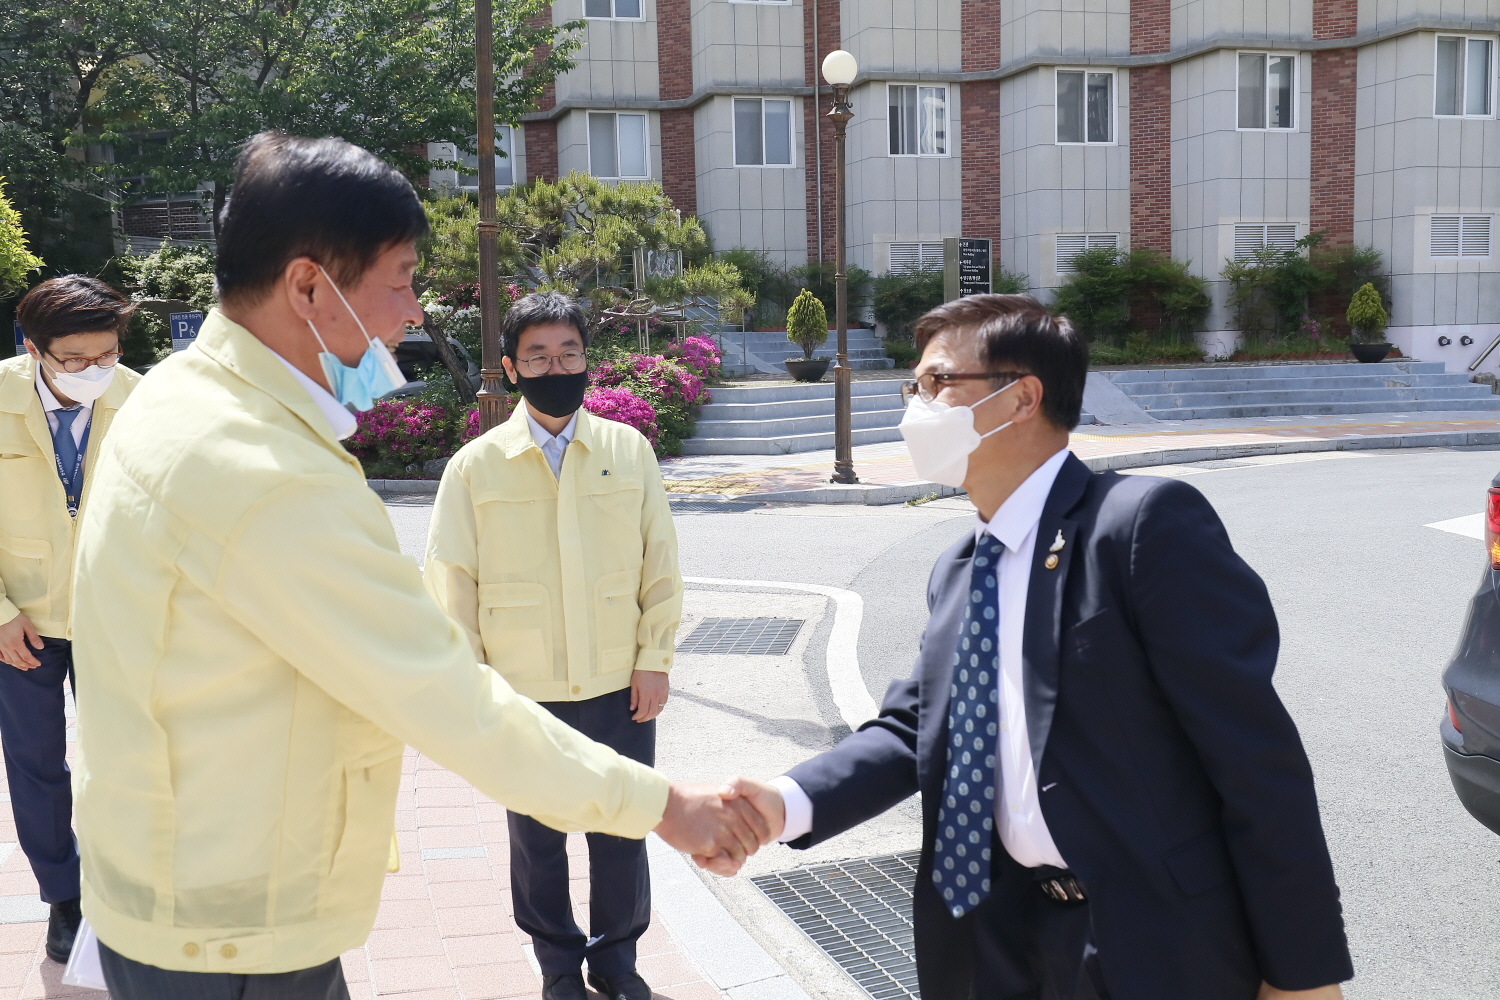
(1204,128)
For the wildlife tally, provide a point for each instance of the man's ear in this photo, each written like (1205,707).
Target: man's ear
(510,369)
(36,355)
(298,283)
(1029,392)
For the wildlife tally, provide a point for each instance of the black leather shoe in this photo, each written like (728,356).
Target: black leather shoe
(623,986)
(62,927)
(569,987)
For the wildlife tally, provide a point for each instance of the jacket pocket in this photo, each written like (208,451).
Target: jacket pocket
(26,567)
(515,622)
(617,612)
(359,861)
(620,497)
(1199,864)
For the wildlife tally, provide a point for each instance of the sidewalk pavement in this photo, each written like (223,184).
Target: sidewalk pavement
(887,476)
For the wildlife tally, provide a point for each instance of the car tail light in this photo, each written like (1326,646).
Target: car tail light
(1492,526)
(1453,716)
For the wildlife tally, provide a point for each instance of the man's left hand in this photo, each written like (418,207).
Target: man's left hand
(1269,992)
(648,694)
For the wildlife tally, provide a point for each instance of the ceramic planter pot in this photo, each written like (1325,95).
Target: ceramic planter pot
(807,370)
(1370,353)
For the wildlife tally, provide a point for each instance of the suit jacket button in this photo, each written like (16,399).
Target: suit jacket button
(576,689)
(190,950)
(229,951)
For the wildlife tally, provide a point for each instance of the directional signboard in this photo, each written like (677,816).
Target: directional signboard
(184,329)
(20,339)
(966,267)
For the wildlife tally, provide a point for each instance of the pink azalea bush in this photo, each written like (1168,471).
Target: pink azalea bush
(699,354)
(624,406)
(396,434)
(673,390)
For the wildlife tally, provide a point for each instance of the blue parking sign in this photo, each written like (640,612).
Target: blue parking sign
(20,338)
(184,329)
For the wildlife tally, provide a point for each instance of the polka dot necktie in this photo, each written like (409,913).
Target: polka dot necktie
(966,816)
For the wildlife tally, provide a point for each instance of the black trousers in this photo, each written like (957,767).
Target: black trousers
(131,980)
(34,732)
(619,880)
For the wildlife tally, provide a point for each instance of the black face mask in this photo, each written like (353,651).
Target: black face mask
(554,395)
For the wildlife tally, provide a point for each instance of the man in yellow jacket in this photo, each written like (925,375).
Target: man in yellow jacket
(253,648)
(56,404)
(552,547)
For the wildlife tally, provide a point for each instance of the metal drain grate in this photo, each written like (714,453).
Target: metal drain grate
(859,913)
(713,506)
(756,636)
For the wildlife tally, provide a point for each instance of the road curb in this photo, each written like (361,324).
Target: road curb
(418,487)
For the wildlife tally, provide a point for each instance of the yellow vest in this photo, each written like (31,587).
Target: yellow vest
(36,531)
(565,586)
(253,650)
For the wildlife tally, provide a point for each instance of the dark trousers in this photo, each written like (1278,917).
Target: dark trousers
(131,980)
(1029,946)
(34,732)
(619,881)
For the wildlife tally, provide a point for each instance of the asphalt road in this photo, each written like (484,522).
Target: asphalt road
(1370,602)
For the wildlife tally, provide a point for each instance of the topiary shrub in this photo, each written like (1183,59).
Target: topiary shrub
(1112,294)
(807,323)
(902,297)
(1367,316)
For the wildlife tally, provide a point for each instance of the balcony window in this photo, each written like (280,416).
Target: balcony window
(617,145)
(917,118)
(1267,91)
(1085,106)
(762,133)
(1465,77)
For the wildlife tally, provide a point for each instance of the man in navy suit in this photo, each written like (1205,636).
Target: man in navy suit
(1115,803)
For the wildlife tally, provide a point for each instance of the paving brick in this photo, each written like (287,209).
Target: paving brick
(455,869)
(461,921)
(450,836)
(447,815)
(484,949)
(403,975)
(467,893)
(19,938)
(667,970)
(405,913)
(404,942)
(489,982)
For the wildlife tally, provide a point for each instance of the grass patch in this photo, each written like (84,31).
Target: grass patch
(919,501)
(1140,350)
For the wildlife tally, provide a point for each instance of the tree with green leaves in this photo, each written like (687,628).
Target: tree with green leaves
(807,323)
(1367,316)
(17,263)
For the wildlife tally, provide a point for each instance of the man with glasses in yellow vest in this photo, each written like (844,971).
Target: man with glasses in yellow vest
(56,404)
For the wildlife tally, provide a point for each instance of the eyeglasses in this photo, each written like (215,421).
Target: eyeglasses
(571,361)
(928,385)
(75,365)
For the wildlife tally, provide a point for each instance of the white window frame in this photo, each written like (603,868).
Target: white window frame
(1089,241)
(1284,237)
(1463,225)
(791,133)
(947,120)
(1296,90)
(773,3)
(1463,98)
(588,133)
(505,138)
(1114,106)
(612,16)
(928,256)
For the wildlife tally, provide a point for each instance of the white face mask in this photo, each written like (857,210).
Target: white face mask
(940,438)
(84,387)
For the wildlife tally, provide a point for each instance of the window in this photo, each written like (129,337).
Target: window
(1274,236)
(617,145)
(618,10)
(1461,235)
(505,164)
(762,133)
(918,120)
(909,257)
(1070,245)
(1465,77)
(1085,106)
(1268,91)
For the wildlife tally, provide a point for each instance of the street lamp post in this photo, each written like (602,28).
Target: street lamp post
(840,69)
(491,392)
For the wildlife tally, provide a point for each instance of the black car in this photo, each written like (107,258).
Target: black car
(417,354)
(1471,728)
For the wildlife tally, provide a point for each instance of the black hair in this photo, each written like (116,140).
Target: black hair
(1017,333)
(535,310)
(321,198)
(73,303)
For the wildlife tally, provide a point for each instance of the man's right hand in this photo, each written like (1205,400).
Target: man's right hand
(718,832)
(17,636)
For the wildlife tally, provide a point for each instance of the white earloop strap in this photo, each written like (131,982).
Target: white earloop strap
(334,285)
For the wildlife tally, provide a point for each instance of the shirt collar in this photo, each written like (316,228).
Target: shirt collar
(49,401)
(338,416)
(1019,514)
(540,435)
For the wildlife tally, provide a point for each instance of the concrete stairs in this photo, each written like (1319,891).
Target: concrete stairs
(1302,390)
(764,351)
(785,419)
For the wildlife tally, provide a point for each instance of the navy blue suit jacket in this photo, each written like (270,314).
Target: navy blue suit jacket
(1177,786)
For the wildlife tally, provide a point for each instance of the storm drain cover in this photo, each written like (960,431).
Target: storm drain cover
(756,636)
(859,913)
(713,506)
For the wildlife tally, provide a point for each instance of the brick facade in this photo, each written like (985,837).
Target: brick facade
(1334,84)
(830,35)
(979,125)
(1151,128)
(541,136)
(674,61)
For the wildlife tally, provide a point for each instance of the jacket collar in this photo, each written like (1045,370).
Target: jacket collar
(515,433)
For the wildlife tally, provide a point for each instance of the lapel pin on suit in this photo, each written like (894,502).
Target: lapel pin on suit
(1057,546)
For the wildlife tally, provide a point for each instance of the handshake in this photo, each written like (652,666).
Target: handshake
(721,826)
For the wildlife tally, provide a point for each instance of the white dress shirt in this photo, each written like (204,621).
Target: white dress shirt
(553,446)
(337,414)
(50,405)
(1018,808)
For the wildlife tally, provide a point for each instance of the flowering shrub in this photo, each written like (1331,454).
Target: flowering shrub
(625,407)
(1310,328)
(700,354)
(396,435)
(673,391)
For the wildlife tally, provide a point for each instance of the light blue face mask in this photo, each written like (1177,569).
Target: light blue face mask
(376,375)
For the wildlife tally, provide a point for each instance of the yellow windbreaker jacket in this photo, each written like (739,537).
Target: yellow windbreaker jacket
(566,586)
(36,531)
(252,651)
